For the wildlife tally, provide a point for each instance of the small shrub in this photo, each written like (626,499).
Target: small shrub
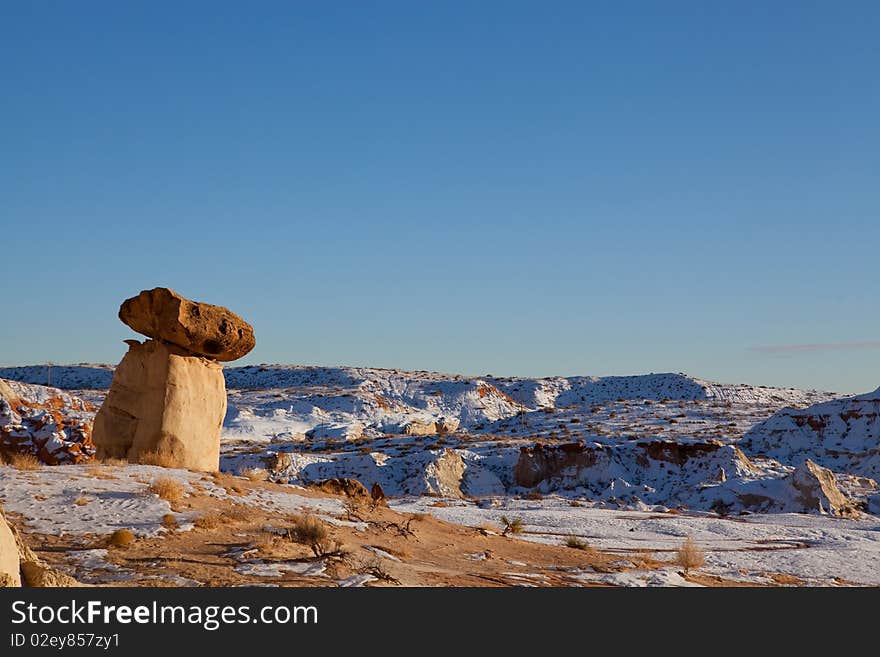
(210,520)
(167,489)
(354,507)
(312,532)
(169,521)
(576,543)
(689,555)
(22,461)
(159,458)
(512,526)
(533,495)
(265,542)
(374,566)
(227,481)
(121,538)
(237,513)
(81,500)
(307,530)
(114,462)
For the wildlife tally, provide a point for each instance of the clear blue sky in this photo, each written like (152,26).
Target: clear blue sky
(480,187)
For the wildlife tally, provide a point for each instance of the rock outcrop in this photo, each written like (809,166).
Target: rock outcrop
(342,486)
(447,425)
(9,568)
(540,463)
(686,473)
(48,429)
(842,434)
(443,476)
(430,428)
(164,401)
(8,395)
(200,328)
(277,462)
(420,428)
(818,491)
(19,566)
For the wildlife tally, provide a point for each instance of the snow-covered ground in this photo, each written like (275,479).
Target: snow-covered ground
(616,455)
(82,500)
(815,549)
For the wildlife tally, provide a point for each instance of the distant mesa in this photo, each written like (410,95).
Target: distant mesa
(167,400)
(200,328)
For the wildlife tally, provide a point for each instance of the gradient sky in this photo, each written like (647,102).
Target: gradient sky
(526,188)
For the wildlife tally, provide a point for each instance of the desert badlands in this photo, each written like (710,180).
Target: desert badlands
(173,469)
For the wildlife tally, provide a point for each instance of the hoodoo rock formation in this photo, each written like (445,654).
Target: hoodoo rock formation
(167,401)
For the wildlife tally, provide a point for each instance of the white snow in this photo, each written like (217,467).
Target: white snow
(278,568)
(814,548)
(356,581)
(637,578)
(46,498)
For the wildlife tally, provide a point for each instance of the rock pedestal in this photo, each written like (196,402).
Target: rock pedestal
(163,401)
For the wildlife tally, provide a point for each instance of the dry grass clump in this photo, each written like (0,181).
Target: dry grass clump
(237,513)
(160,458)
(265,542)
(210,520)
(114,462)
(22,461)
(121,538)
(227,481)
(577,543)
(169,521)
(312,532)
(167,489)
(689,555)
(82,500)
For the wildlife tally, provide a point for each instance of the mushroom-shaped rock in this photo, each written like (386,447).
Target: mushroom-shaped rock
(201,328)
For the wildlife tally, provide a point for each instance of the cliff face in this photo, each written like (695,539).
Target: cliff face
(642,462)
(544,463)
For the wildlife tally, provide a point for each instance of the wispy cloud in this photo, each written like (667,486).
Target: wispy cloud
(812,348)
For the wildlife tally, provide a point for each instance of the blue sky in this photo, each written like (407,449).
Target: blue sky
(525,188)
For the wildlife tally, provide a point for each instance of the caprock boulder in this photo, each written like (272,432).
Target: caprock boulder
(200,328)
